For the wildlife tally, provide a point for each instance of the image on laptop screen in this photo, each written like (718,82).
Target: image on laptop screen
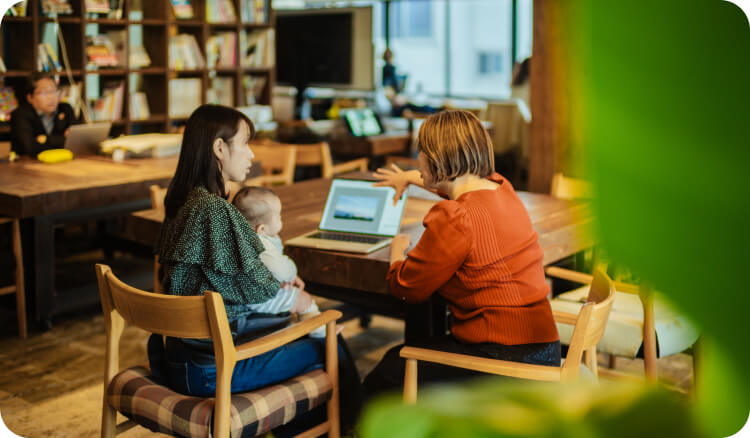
(358,207)
(362,122)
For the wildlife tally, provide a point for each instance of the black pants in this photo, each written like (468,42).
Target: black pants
(388,375)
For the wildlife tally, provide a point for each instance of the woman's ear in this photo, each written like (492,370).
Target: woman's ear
(218,148)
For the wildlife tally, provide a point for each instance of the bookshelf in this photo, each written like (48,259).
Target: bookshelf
(154,23)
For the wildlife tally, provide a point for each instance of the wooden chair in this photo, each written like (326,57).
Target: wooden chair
(405,163)
(589,328)
(145,402)
(319,154)
(18,287)
(157,203)
(278,163)
(623,318)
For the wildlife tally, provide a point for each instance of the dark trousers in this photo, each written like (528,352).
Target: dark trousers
(388,375)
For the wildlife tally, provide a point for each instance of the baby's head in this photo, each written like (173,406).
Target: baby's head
(261,207)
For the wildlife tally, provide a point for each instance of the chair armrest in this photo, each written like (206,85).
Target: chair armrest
(485,365)
(285,335)
(580,277)
(564,317)
(358,164)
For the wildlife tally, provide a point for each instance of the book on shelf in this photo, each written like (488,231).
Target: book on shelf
(71,94)
(8,102)
(254,11)
(59,7)
(139,106)
(109,105)
(257,48)
(47,58)
(139,57)
(253,87)
(3,69)
(220,11)
(101,50)
(184,53)
(183,10)
(221,50)
(98,6)
(221,91)
(184,96)
(18,10)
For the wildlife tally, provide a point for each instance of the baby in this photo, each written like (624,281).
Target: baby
(262,209)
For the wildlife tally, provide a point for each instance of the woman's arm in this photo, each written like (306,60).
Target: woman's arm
(398,179)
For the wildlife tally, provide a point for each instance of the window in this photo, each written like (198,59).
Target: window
(411,19)
(490,63)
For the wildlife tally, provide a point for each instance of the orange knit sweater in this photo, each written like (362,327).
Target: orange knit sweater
(481,254)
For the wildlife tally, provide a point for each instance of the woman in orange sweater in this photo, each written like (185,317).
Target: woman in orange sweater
(478,251)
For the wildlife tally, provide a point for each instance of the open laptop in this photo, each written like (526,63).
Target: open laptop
(362,122)
(84,139)
(357,218)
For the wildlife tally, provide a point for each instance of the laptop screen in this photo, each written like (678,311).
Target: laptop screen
(362,122)
(358,207)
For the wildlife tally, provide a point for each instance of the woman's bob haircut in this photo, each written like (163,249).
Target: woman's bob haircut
(455,144)
(198,165)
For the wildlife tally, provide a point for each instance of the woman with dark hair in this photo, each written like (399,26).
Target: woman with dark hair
(207,244)
(478,251)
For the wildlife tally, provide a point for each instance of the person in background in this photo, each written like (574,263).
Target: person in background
(519,87)
(478,251)
(389,72)
(42,121)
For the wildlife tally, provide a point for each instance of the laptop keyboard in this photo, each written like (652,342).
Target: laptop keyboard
(346,237)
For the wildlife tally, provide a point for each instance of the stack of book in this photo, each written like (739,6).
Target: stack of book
(106,50)
(18,10)
(59,7)
(184,96)
(182,9)
(220,11)
(112,8)
(184,53)
(254,11)
(253,86)
(139,57)
(139,106)
(257,48)
(46,59)
(221,50)
(109,105)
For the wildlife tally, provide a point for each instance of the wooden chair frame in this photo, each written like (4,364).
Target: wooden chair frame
(319,154)
(18,287)
(647,301)
(589,329)
(202,317)
(280,158)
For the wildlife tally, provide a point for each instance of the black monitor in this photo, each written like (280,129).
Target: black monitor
(314,49)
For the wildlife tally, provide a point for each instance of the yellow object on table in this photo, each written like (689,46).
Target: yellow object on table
(55,156)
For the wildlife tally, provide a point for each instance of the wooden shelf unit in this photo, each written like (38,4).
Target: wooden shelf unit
(158,23)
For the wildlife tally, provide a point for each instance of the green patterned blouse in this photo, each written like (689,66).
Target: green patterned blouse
(209,245)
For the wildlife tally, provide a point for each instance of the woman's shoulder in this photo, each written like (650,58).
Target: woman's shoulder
(446,211)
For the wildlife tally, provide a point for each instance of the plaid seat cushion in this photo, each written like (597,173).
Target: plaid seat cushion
(134,394)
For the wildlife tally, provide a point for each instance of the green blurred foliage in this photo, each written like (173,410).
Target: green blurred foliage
(662,91)
(496,407)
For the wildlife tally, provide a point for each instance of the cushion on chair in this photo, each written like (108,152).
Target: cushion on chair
(624,333)
(157,407)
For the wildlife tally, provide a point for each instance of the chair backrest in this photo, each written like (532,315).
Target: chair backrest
(277,160)
(564,187)
(591,322)
(316,154)
(4,149)
(184,317)
(157,196)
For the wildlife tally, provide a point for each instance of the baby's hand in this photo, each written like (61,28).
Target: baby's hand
(304,300)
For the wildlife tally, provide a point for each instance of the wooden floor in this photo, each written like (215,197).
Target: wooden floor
(50,384)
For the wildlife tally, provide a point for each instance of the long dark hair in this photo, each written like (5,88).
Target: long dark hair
(198,165)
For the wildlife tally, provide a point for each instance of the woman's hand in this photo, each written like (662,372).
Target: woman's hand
(399,245)
(396,178)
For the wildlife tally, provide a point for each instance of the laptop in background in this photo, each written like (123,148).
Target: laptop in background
(357,218)
(362,122)
(84,139)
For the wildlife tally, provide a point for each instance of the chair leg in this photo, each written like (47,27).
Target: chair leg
(591,363)
(332,368)
(20,289)
(649,335)
(109,418)
(410,381)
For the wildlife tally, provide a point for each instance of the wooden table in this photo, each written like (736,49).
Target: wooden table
(360,279)
(46,195)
